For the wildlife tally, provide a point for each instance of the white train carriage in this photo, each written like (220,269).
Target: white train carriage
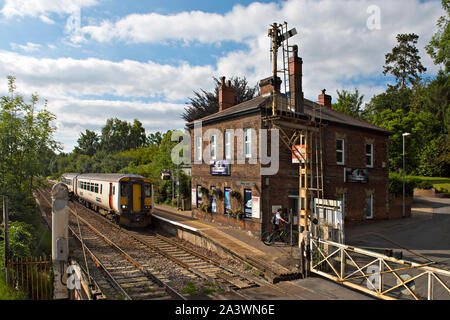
(129,197)
(69,180)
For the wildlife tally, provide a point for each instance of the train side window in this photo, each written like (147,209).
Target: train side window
(147,190)
(96,188)
(114,190)
(101,187)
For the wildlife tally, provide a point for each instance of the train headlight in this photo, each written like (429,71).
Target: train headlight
(147,207)
(124,206)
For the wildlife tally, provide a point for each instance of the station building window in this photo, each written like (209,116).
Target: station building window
(369,155)
(369,206)
(248,142)
(339,151)
(227,145)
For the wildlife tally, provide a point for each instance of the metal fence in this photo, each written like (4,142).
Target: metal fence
(378,275)
(32,276)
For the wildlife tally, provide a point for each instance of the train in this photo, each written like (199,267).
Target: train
(125,198)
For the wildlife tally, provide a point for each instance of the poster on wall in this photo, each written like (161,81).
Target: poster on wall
(219,168)
(356,175)
(194,197)
(227,200)
(255,208)
(248,203)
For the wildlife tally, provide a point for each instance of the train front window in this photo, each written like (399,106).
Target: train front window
(124,190)
(147,190)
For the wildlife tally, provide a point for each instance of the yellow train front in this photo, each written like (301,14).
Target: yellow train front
(128,198)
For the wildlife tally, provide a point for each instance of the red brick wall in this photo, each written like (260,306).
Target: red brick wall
(240,173)
(354,157)
(274,190)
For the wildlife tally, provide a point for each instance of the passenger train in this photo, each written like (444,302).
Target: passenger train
(127,198)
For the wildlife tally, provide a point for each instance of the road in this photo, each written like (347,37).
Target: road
(423,237)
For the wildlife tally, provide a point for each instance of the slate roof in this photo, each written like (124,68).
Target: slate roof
(260,103)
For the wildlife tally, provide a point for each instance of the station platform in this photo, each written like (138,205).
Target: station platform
(278,261)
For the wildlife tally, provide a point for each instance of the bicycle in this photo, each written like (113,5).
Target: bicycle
(283,235)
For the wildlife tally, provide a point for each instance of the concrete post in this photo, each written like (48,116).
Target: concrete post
(60,239)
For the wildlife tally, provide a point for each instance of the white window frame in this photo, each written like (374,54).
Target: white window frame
(248,143)
(198,148)
(342,151)
(213,147)
(369,154)
(371,206)
(227,145)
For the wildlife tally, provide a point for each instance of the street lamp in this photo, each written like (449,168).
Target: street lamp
(403,137)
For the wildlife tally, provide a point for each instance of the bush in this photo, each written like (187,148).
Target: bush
(396,184)
(424,185)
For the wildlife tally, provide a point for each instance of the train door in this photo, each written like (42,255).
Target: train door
(137,196)
(110,195)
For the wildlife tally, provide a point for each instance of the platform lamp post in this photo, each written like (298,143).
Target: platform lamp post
(403,137)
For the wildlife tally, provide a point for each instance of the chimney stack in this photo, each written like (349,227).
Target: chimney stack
(295,80)
(325,99)
(266,85)
(226,95)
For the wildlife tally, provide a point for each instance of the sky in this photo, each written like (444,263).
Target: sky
(97,59)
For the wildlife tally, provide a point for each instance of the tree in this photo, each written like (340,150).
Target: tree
(393,99)
(118,135)
(349,103)
(439,46)
(404,61)
(88,143)
(205,103)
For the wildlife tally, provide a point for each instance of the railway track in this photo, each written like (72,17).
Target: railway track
(188,262)
(126,277)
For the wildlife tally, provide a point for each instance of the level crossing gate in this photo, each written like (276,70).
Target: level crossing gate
(376,274)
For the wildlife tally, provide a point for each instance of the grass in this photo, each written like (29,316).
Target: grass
(438,183)
(7,293)
(190,289)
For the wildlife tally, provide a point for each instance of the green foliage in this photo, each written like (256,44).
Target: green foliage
(404,61)
(7,293)
(424,111)
(27,151)
(396,184)
(349,103)
(88,143)
(439,46)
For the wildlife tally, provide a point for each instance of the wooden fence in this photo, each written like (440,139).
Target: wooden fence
(32,276)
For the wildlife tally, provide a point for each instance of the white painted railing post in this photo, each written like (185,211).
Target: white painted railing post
(60,239)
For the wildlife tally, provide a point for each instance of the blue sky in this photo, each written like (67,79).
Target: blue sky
(96,59)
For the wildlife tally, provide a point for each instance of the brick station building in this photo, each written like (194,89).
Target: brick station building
(348,144)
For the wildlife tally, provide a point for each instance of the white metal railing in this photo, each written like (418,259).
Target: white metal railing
(377,274)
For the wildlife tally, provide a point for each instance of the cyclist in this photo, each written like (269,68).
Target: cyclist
(278,220)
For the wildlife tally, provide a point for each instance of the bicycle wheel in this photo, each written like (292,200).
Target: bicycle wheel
(287,237)
(267,238)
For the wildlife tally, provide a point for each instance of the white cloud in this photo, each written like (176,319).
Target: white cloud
(41,8)
(127,78)
(338,51)
(29,47)
(46,19)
